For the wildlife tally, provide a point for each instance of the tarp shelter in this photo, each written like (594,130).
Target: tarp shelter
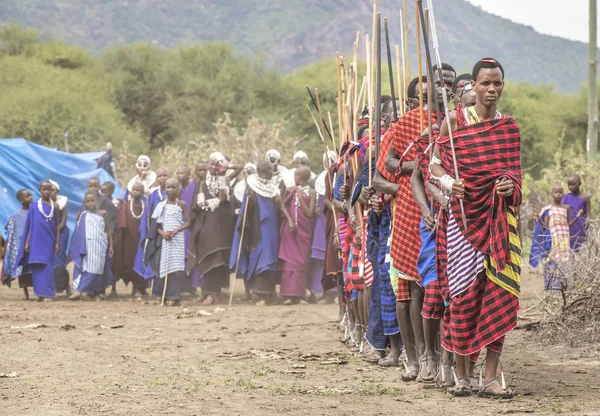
(24,164)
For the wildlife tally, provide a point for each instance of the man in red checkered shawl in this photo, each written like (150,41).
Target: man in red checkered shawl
(406,242)
(479,253)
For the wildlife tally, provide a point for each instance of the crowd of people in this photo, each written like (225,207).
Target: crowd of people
(423,263)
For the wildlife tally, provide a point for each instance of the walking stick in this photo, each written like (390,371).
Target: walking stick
(162,302)
(390,69)
(436,48)
(239,253)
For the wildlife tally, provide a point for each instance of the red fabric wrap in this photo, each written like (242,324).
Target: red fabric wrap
(384,149)
(486,152)
(406,241)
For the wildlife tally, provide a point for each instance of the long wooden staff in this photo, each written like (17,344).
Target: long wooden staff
(322,119)
(370,104)
(339,98)
(404,24)
(400,77)
(436,48)
(420,66)
(390,69)
(378,92)
(332,132)
(239,253)
(162,302)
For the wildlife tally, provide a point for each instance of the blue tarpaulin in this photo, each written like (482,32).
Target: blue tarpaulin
(24,164)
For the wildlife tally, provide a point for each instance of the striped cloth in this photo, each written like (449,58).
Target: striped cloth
(485,152)
(464,262)
(172,253)
(406,242)
(375,330)
(96,244)
(388,297)
(384,150)
(433,302)
(556,268)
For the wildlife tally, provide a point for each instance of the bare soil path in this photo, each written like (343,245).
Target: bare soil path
(125,357)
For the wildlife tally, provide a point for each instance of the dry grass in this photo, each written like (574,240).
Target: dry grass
(572,316)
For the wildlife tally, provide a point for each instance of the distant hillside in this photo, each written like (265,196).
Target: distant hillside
(292,33)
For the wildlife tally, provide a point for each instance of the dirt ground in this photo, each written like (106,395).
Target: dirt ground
(125,357)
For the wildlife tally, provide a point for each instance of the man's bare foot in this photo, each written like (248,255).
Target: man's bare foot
(428,368)
(69,291)
(495,391)
(100,297)
(209,301)
(25,294)
(112,294)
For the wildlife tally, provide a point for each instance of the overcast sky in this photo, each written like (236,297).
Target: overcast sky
(564,18)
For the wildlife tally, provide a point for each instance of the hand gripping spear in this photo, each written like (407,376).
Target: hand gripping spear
(436,47)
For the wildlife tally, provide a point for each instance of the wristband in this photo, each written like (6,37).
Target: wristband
(447,181)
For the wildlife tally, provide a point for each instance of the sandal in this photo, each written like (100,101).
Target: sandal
(372,356)
(462,389)
(389,361)
(443,377)
(425,373)
(410,374)
(485,392)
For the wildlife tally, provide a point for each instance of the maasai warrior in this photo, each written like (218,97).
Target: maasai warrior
(385,183)
(577,201)
(41,243)
(332,273)
(424,191)
(258,252)
(406,244)
(281,174)
(127,239)
(296,237)
(91,250)
(144,175)
(160,193)
(184,174)
(15,233)
(462,91)
(61,274)
(479,270)
(317,255)
(212,229)
(553,227)
(165,251)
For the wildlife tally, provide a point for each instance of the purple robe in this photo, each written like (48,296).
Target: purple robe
(578,230)
(294,250)
(318,250)
(42,239)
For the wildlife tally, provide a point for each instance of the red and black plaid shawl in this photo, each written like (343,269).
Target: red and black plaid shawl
(384,149)
(485,152)
(406,240)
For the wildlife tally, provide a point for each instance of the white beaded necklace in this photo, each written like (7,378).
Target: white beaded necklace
(41,209)
(305,191)
(137,217)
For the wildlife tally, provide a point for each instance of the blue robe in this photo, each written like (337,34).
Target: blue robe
(541,245)
(264,257)
(40,259)
(15,232)
(138,264)
(85,282)
(426,264)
